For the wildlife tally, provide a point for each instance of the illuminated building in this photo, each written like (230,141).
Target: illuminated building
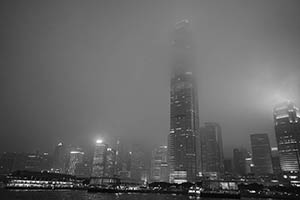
(212,149)
(122,160)
(98,167)
(249,165)
(287,130)
(184,119)
(275,160)
(37,162)
(261,154)
(110,163)
(59,159)
(76,157)
(178,176)
(159,165)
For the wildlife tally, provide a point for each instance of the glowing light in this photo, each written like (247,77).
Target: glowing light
(274,148)
(76,152)
(282,116)
(99,141)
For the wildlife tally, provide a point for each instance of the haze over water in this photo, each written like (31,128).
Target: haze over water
(83,195)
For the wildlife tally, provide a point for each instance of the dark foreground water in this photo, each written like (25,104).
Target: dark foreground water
(83,195)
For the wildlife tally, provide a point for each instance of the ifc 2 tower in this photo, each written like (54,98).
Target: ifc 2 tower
(184,114)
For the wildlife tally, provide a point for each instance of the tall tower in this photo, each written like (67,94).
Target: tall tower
(99,159)
(184,117)
(287,130)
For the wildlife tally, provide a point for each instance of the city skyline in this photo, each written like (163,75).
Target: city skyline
(78,76)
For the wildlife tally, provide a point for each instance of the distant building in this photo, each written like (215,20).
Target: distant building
(184,117)
(83,170)
(228,169)
(287,130)
(261,154)
(59,159)
(122,164)
(138,169)
(76,158)
(34,162)
(7,161)
(159,165)
(239,161)
(212,149)
(98,168)
(10,162)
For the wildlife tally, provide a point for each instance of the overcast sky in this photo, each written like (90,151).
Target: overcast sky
(75,71)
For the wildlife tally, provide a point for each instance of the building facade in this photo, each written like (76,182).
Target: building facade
(159,165)
(59,159)
(261,154)
(76,158)
(98,168)
(239,161)
(212,149)
(184,117)
(287,130)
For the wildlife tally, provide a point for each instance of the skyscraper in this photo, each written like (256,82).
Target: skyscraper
(76,157)
(184,119)
(110,163)
(138,171)
(98,168)
(212,149)
(59,159)
(287,130)
(261,154)
(239,161)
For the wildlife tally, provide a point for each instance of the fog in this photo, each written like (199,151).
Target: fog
(75,71)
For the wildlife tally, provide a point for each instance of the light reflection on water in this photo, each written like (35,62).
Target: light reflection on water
(83,195)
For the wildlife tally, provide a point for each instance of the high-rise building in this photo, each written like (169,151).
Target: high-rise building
(275,161)
(287,130)
(76,157)
(212,149)
(239,161)
(110,163)
(159,165)
(122,164)
(228,166)
(59,159)
(261,154)
(184,117)
(138,168)
(98,168)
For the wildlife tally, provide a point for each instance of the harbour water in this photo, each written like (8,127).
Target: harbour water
(83,195)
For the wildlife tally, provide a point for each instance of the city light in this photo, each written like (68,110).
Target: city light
(99,141)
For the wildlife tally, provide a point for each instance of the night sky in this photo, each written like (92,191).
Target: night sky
(75,71)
